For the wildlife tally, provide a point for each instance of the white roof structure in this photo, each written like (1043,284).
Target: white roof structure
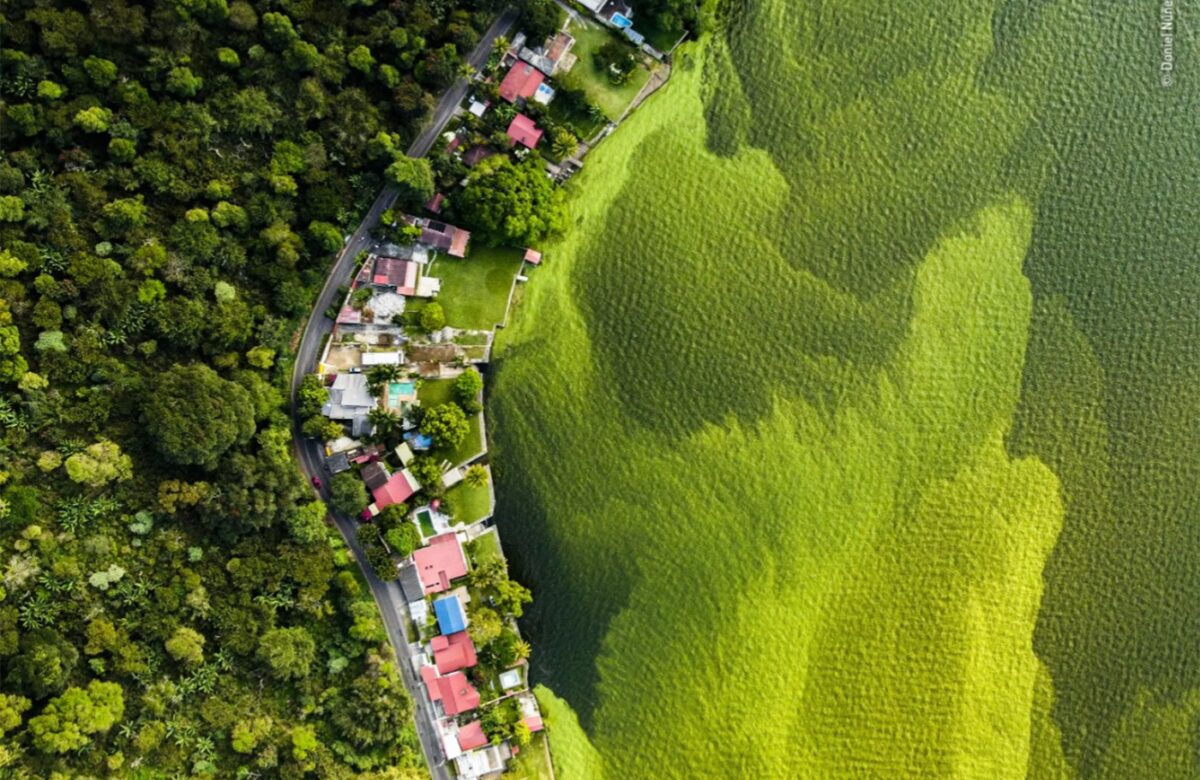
(428,287)
(510,679)
(404,453)
(382,358)
(544,94)
(593,5)
(419,610)
(478,108)
(348,398)
(478,763)
(452,478)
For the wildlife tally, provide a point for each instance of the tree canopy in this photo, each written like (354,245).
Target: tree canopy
(513,203)
(195,416)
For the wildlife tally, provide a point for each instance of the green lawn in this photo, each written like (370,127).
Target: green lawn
(470,504)
(611,98)
(435,392)
(487,546)
(531,763)
(582,125)
(475,288)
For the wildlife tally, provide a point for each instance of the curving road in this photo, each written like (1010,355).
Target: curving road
(392,607)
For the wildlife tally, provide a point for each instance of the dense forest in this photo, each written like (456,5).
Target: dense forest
(175,177)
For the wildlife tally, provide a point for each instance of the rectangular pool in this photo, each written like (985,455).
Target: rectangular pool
(398,389)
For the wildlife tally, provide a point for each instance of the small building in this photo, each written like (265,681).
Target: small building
(558,48)
(398,488)
(510,679)
(382,358)
(478,108)
(521,82)
(396,273)
(434,204)
(635,37)
(453,652)
(476,155)
(533,257)
(375,475)
(440,562)
(482,762)
(337,463)
(451,616)
(453,691)
(544,94)
(404,453)
(443,236)
(538,59)
(410,585)
(523,131)
(471,736)
(593,5)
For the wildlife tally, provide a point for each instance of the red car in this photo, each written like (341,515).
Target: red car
(316,482)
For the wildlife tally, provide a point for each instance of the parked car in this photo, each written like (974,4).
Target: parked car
(316,482)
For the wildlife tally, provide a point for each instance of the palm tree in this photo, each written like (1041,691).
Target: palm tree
(500,47)
(521,649)
(379,376)
(386,422)
(476,476)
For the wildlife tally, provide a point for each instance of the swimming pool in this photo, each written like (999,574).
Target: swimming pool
(398,389)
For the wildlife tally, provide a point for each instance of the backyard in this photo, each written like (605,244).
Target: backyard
(470,503)
(475,289)
(532,762)
(435,392)
(611,98)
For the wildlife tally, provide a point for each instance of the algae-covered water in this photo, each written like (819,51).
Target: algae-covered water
(852,430)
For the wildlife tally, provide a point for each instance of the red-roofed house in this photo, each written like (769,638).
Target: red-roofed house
(394,272)
(534,722)
(523,131)
(440,562)
(453,652)
(434,204)
(454,691)
(397,489)
(521,82)
(533,257)
(471,736)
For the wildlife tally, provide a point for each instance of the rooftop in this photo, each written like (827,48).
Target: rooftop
(397,489)
(524,131)
(440,562)
(454,691)
(521,81)
(471,736)
(453,652)
(394,272)
(375,475)
(450,615)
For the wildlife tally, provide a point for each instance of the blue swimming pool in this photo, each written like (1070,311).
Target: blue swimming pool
(397,389)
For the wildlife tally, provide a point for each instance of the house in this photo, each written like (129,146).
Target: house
(337,463)
(410,585)
(471,736)
(478,108)
(453,652)
(521,82)
(395,490)
(482,762)
(538,59)
(397,273)
(454,691)
(451,616)
(350,400)
(531,716)
(434,204)
(523,131)
(533,257)
(440,562)
(443,236)
(593,5)
(375,475)
(476,155)
(404,453)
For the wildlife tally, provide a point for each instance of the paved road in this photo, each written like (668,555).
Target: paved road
(309,453)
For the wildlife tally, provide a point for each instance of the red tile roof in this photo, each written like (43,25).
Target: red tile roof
(434,204)
(471,736)
(440,562)
(533,257)
(453,652)
(456,694)
(534,722)
(397,489)
(523,131)
(521,82)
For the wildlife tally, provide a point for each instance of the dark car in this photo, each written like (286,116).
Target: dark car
(316,482)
